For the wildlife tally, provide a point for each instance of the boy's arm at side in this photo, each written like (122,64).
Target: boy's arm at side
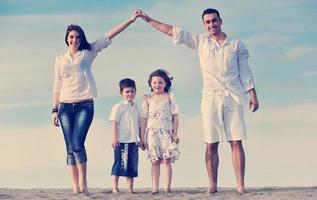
(143,122)
(115,132)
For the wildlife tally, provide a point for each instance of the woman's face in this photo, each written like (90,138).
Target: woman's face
(73,39)
(158,84)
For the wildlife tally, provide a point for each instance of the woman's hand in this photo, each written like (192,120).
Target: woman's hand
(55,120)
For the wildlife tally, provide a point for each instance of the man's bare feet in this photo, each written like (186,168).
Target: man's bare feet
(84,190)
(76,190)
(154,192)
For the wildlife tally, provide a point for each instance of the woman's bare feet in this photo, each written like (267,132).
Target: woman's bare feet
(168,190)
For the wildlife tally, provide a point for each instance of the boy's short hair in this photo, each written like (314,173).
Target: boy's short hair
(126,83)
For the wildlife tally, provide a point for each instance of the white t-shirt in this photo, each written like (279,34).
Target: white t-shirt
(128,118)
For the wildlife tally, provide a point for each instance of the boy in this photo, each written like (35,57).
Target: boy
(124,120)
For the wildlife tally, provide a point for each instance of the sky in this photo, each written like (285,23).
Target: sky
(281,39)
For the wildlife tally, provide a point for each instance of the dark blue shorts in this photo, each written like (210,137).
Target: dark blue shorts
(126,158)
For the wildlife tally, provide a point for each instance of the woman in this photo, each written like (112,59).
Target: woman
(74,90)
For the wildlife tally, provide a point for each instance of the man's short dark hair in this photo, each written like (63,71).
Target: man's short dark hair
(126,83)
(210,11)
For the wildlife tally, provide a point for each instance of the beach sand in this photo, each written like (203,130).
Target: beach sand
(276,193)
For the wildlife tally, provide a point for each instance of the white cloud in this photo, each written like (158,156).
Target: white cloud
(311,73)
(268,40)
(300,52)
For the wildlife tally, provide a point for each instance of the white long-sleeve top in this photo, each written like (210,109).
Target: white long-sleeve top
(224,68)
(73,78)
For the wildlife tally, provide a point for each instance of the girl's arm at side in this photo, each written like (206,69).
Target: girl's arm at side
(175,128)
(116,30)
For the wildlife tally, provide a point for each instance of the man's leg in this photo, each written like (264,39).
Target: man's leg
(212,163)
(238,161)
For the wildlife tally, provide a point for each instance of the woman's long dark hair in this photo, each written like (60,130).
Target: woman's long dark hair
(84,44)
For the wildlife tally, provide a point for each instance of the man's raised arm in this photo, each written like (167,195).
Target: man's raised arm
(164,28)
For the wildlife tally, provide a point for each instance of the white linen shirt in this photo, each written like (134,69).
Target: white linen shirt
(128,118)
(73,77)
(224,68)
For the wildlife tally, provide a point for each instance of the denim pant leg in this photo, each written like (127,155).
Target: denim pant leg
(66,118)
(84,113)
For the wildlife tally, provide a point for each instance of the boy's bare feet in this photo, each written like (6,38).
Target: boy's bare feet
(115,190)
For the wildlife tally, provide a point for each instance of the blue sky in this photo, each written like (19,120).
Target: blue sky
(281,40)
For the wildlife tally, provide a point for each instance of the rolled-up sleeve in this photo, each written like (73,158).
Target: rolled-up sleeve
(100,44)
(145,107)
(183,37)
(245,72)
(115,114)
(58,76)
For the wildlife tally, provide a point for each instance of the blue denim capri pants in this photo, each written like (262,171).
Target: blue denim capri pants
(75,120)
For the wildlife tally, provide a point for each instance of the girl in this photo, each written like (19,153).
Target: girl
(74,90)
(159,125)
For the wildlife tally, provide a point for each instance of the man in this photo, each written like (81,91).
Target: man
(226,80)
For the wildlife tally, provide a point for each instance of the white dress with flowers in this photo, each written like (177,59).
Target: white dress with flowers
(160,127)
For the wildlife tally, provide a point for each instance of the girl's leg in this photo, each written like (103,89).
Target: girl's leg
(155,176)
(130,184)
(115,182)
(168,174)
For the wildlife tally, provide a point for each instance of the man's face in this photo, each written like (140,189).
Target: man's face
(212,24)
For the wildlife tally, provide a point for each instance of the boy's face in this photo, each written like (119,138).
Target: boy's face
(128,94)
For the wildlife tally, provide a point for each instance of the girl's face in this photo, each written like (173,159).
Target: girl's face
(158,84)
(73,39)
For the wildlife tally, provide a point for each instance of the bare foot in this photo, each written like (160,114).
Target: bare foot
(155,192)
(168,190)
(76,190)
(115,190)
(241,190)
(85,191)
(211,190)
(132,192)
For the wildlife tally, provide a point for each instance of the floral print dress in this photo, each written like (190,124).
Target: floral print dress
(159,127)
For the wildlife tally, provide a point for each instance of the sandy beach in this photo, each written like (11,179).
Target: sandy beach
(276,193)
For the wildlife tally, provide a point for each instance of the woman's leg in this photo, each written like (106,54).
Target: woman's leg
(84,113)
(155,176)
(66,118)
(74,175)
(168,174)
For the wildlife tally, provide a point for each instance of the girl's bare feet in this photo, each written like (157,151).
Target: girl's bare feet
(76,190)
(84,190)
(212,190)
